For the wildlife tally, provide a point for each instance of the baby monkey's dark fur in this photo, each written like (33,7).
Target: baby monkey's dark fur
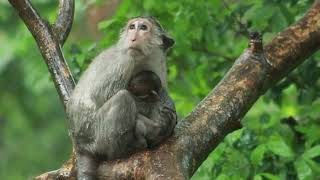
(146,86)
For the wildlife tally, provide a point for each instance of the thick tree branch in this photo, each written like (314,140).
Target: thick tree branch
(237,92)
(49,46)
(221,111)
(63,24)
(292,46)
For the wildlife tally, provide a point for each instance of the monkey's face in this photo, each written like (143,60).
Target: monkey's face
(141,36)
(139,32)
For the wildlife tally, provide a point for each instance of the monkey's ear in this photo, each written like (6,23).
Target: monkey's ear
(167,41)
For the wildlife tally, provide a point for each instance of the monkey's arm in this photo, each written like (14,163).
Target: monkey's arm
(167,101)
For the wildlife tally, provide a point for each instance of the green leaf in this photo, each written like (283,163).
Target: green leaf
(106,24)
(313,110)
(257,154)
(148,5)
(258,177)
(311,133)
(289,106)
(234,136)
(315,167)
(223,177)
(302,168)
(279,22)
(279,147)
(259,15)
(311,153)
(270,176)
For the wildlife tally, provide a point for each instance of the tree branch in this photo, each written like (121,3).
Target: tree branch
(236,93)
(49,46)
(63,24)
(294,45)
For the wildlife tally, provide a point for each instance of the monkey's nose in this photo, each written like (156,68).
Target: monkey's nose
(133,39)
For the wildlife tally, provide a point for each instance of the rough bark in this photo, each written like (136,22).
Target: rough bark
(217,115)
(63,24)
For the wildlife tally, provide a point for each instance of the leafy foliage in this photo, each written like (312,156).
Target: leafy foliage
(280,138)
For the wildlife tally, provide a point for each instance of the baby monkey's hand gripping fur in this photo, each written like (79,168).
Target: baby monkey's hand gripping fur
(106,120)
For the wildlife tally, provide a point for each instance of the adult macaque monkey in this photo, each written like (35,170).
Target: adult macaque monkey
(107,120)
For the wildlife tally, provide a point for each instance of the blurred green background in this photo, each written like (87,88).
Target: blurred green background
(281,134)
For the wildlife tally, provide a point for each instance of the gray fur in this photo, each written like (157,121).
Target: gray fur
(106,120)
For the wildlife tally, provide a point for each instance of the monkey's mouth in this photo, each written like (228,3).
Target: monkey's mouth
(135,50)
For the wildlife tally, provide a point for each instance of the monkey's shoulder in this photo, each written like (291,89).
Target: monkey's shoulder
(106,56)
(100,67)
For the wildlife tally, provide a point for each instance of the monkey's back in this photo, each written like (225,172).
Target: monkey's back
(105,76)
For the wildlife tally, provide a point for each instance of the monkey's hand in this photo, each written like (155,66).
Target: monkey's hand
(160,125)
(148,130)
(163,113)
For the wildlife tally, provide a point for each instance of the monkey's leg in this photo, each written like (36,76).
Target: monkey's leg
(145,127)
(113,126)
(116,130)
(156,128)
(87,167)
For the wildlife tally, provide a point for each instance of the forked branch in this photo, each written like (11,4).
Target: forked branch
(50,40)
(63,24)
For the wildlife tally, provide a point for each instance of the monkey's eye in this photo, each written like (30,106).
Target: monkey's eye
(131,26)
(143,27)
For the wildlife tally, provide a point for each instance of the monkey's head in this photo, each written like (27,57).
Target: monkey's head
(142,35)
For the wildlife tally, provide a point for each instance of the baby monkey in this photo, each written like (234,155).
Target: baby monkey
(146,86)
(121,102)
